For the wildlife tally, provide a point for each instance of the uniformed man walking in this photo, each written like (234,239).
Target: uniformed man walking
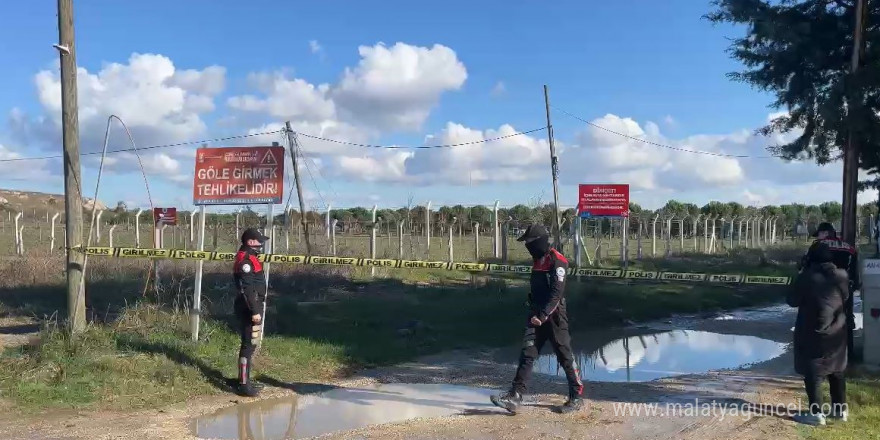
(250,281)
(547,321)
(846,257)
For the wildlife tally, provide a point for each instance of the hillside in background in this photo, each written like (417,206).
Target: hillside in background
(36,204)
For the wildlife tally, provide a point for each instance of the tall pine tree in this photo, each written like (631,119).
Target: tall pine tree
(801,52)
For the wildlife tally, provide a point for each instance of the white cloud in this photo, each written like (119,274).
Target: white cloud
(397,87)
(499,89)
(514,158)
(18,170)
(159,103)
(286,98)
(315,47)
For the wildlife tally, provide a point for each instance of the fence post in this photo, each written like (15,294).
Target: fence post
(21,240)
(192,229)
(451,247)
(373,240)
(577,240)
(669,236)
(333,236)
(476,242)
(52,233)
(654,236)
(695,230)
(98,226)
(17,234)
(137,228)
(110,235)
(400,239)
(505,231)
(238,223)
(428,229)
(639,238)
(681,235)
(496,231)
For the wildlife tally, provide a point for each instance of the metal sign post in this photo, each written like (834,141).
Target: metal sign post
(607,201)
(238,176)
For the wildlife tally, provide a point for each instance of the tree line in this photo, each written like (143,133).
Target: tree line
(359,219)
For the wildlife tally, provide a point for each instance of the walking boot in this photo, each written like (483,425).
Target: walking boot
(245,387)
(574,403)
(510,400)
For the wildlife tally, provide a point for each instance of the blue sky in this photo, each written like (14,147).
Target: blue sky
(652,70)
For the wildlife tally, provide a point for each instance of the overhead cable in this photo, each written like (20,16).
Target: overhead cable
(657,144)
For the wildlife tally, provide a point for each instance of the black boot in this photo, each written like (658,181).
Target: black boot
(574,403)
(245,387)
(510,400)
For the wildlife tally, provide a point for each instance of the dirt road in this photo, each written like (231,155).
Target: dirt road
(722,405)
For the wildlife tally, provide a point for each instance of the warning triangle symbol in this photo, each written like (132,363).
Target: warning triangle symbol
(269,159)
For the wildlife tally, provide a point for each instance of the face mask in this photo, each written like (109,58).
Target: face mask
(539,247)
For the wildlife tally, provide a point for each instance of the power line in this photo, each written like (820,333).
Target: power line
(311,176)
(420,147)
(152,147)
(657,144)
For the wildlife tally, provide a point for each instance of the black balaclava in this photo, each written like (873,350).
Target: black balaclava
(539,247)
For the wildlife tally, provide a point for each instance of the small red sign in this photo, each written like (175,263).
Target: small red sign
(165,216)
(239,176)
(603,200)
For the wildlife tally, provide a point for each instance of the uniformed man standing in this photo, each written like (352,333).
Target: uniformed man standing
(250,281)
(547,321)
(846,257)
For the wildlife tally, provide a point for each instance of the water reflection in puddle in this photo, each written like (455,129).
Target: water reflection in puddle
(673,353)
(341,409)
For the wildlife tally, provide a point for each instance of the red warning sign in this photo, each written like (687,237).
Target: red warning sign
(165,216)
(605,200)
(239,176)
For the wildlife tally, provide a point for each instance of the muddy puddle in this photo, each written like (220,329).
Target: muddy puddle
(340,409)
(654,355)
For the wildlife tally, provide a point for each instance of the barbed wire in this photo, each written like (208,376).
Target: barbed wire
(657,144)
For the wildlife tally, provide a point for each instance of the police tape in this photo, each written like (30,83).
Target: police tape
(179,254)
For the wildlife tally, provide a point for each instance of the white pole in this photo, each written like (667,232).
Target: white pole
(578,229)
(268,250)
(52,244)
(21,240)
(192,228)
(137,228)
(327,220)
(654,236)
(288,224)
(373,241)
(497,231)
(333,235)
(98,226)
(428,227)
(17,234)
(110,235)
(476,242)
(197,291)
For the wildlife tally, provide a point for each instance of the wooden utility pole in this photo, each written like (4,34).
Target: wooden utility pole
(554,167)
(294,147)
(76,304)
(849,223)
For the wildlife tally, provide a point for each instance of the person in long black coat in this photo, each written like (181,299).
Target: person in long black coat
(820,349)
